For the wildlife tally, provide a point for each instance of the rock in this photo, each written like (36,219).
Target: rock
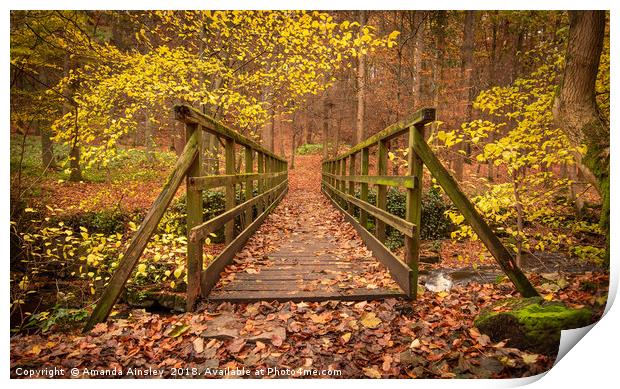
(530,324)
(438,283)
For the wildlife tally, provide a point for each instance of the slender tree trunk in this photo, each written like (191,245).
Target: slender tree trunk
(361,88)
(293,151)
(47,149)
(327,107)
(467,53)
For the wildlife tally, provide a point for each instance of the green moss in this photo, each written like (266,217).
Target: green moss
(531,323)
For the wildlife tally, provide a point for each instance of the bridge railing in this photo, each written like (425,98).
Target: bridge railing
(263,170)
(341,176)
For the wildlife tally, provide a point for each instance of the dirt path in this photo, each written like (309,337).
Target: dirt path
(305,251)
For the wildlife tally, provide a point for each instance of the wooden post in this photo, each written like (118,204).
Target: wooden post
(413,211)
(261,183)
(194,218)
(381,189)
(503,257)
(249,185)
(142,236)
(364,186)
(343,173)
(351,207)
(229,228)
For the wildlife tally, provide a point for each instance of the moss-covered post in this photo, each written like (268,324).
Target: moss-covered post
(413,211)
(229,153)
(194,218)
(364,186)
(351,207)
(382,157)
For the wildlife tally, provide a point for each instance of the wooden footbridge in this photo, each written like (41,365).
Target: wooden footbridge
(286,273)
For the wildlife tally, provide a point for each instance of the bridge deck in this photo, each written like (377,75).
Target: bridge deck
(305,251)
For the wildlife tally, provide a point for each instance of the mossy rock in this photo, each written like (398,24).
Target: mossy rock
(154,300)
(531,324)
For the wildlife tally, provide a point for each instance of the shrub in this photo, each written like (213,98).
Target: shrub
(310,149)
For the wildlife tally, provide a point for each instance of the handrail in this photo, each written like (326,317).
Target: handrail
(190,115)
(421,117)
(338,183)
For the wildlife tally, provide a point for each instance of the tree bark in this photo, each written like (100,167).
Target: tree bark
(361,88)
(327,107)
(467,52)
(575,109)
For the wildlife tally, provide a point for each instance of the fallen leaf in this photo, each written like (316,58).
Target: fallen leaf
(370,320)
(529,358)
(178,330)
(346,337)
(372,373)
(199,345)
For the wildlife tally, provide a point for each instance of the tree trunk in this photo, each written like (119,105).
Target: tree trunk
(361,88)
(47,149)
(327,107)
(467,52)
(575,110)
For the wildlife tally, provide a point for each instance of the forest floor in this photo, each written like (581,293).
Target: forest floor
(432,337)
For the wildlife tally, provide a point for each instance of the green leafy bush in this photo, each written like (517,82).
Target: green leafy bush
(309,148)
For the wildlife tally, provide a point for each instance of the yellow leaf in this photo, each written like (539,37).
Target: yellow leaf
(529,358)
(370,320)
(443,294)
(346,337)
(549,297)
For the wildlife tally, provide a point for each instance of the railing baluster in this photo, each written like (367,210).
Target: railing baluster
(381,189)
(249,186)
(351,207)
(229,229)
(364,186)
(261,182)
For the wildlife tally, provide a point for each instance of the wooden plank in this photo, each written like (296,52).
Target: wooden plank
(399,271)
(229,227)
(215,181)
(142,236)
(297,296)
(194,217)
(382,155)
(423,116)
(395,181)
(407,228)
(201,231)
(212,273)
(503,257)
(188,114)
(364,185)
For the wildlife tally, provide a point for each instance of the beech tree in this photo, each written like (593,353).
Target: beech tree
(576,110)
